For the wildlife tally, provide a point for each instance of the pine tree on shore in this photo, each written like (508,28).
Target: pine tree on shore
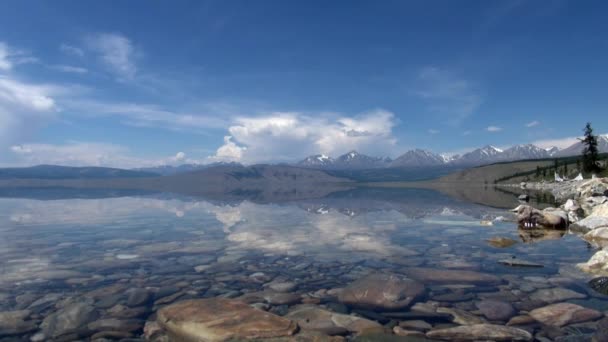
(590,151)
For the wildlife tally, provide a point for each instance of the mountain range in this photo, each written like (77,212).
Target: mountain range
(423,158)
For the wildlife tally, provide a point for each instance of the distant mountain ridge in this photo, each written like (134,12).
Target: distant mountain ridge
(69,172)
(167,170)
(419,158)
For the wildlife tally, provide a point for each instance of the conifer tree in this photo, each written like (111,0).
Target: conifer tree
(590,151)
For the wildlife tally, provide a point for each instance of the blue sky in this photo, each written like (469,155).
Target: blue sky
(137,83)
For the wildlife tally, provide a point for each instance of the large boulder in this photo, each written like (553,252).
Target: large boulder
(598,264)
(529,217)
(382,292)
(480,332)
(594,187)
(221,319)
(496,310)
(562,314)
(590,223)
(601,210)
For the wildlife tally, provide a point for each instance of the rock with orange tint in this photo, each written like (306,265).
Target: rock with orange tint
(221,319)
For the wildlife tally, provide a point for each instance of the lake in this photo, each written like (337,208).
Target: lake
(98,264)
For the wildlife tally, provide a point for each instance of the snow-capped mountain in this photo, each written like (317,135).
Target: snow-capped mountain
(419,158)
(577,148)
(552,150)
(318,160)
(485,155)
(348,161)
(423,158)
(519,152)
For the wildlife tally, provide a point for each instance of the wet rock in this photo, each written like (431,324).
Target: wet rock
(13,323)
(282,286)
(45,302)
(514,262)
(382,292)
(138,297)
(599,284)
(113,324)
(111,336)
(598,236)
(278,298)
(122,311)
(521,320)
(529,217)
(597,264)
(501,242)
(554,295)
(486,332)
(219,319)
(68,320)
(461,317)
(430,275)
(415,325)
(564,313)
(601,334)
(311,317)
(399,331)
(495,310)
(591,223)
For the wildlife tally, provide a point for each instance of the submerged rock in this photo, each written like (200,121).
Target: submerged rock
(310,317)
(433,275)
(599,284)
(518,263)
(501,242)
(382,292)
(561,314)
(13,323)
(220,319)
(485,332)
(68,320)
(554,295)
(496,310)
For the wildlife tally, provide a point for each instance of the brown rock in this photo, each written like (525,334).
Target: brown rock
(564,313)
(221,319)
(496,310)
(485,332)
(310,317)
(501,242)
(382,292)
(399,331)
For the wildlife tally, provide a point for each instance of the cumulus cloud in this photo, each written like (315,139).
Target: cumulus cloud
(447,94)
(493,129)
(532,124)
(78,153)
(116,52)
(285,136)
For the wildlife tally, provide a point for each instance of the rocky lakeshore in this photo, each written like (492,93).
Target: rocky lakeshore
(226,273)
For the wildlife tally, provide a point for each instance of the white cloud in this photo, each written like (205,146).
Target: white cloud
(493,129)
(560,143)
(71,50)
(447,94)
(532,124)
(284,136)
(433,131)
(230,151)
(70,69)
(116,52)
(147,115)
(76,153)
(5,64)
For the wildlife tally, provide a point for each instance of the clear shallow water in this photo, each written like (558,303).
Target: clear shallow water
(91,250)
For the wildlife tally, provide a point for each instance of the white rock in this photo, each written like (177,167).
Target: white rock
(597,264)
